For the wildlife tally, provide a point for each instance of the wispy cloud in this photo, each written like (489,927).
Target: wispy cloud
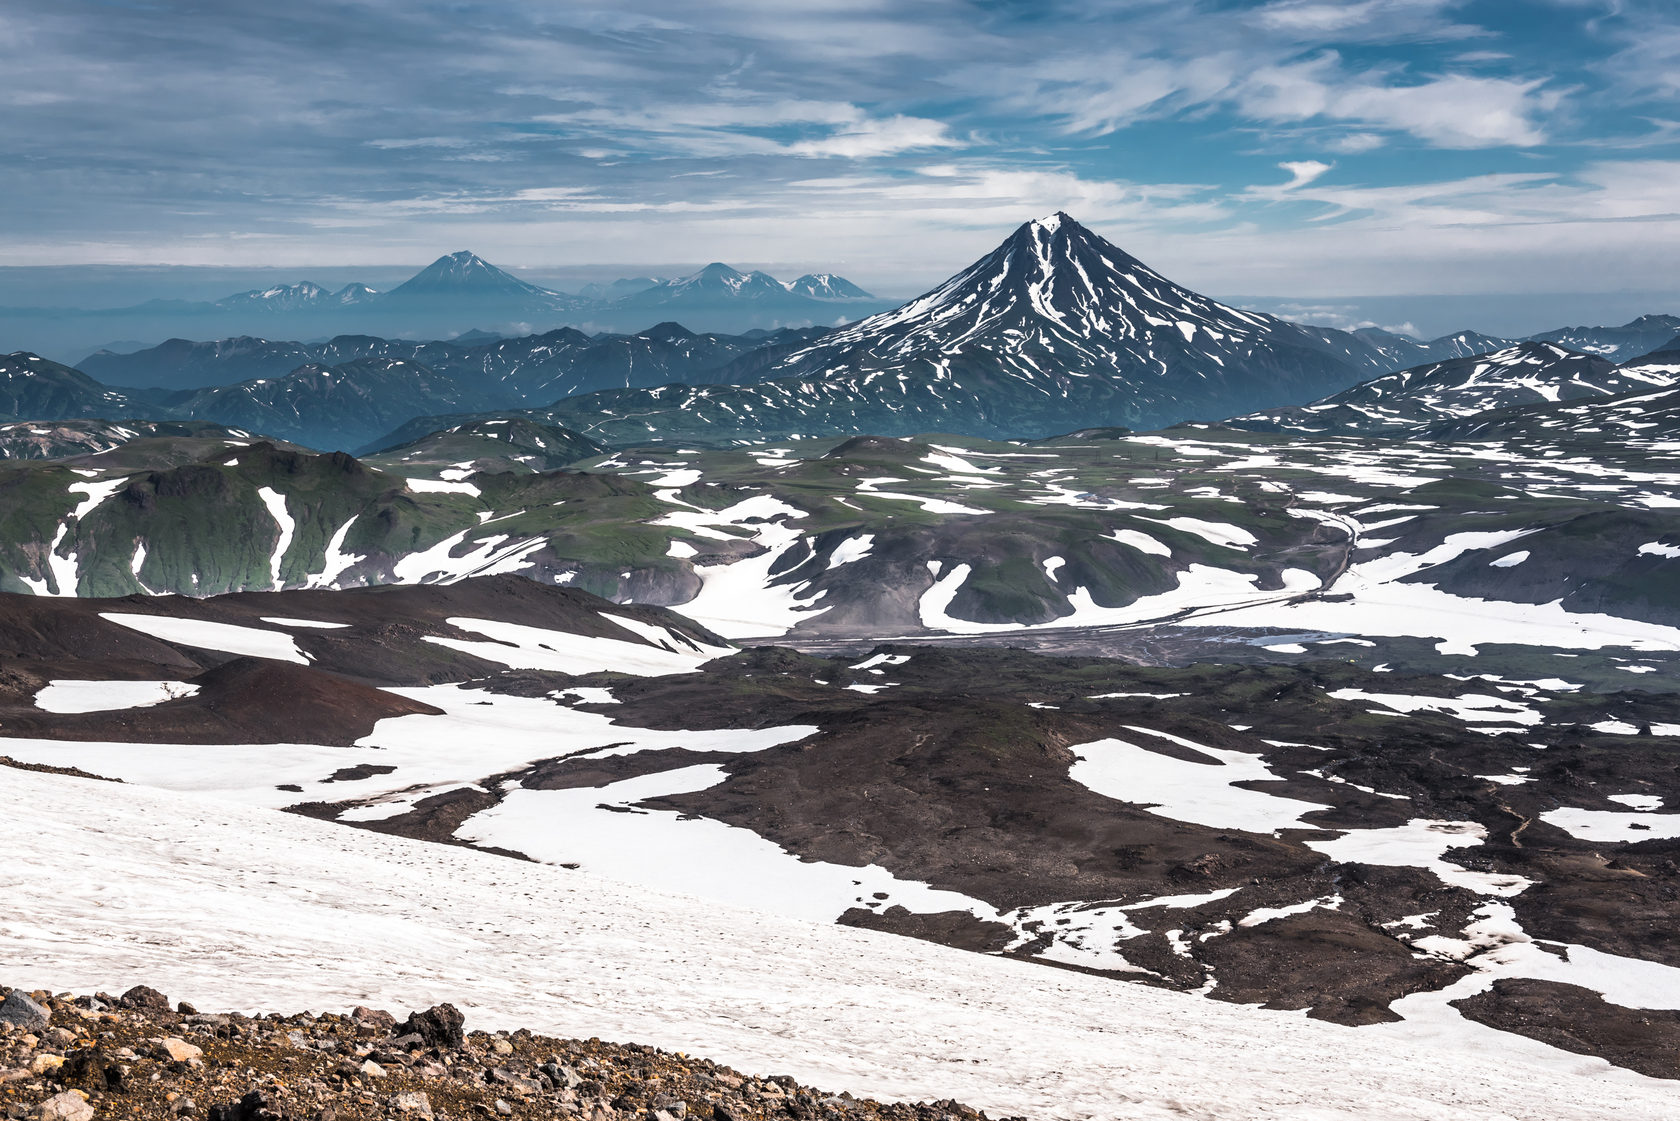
(907,131)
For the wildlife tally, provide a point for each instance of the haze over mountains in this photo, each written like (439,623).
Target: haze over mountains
(1054,330)
(453,296)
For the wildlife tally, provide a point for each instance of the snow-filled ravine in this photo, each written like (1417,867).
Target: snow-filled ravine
(241,907)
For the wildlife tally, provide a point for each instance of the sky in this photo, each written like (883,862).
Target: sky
(1284,149)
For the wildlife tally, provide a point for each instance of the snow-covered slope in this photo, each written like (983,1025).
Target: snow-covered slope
(1401,351)
(1526,373)
(32,388)
(239,907)
(1618,344)
(827,286)
(304,296)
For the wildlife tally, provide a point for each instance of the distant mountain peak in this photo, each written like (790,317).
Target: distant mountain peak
(827,286)
(465,275)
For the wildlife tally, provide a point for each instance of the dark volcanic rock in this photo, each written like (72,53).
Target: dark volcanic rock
(22,1012)
(145,999)
(1580,1020)
(247,700)
(439,1026)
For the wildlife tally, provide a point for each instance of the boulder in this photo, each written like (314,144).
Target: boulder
(416,1103)
(440,1026)
(22,1012)
(373,1017)
(144,999)
(68,1106)
(179,1050)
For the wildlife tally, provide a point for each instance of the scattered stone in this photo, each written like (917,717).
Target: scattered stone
(373,1017)
(179,1050)
(22,1012)
(144,999)
(254,1106)
(71,1105)
(414,1102)
(155,1064)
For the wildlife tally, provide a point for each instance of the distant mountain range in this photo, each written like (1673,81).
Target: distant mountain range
(348,391)
(1521,375)
(460,294)
(1056,330)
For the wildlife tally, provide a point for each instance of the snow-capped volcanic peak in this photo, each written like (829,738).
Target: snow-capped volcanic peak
(465,274)
(1055,283)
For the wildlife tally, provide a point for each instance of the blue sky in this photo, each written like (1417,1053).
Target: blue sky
(1282,148)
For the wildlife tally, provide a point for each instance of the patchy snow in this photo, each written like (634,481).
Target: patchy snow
(103,696)
(1470,708)
(1088,934)
(336,560)
(1217,533)
(1140,541)
(1422,843)
(488,556)
(1200,587)
(586,695)
(252,642)
(607,832)
(521,647)
(441,486)
(95,495)
(740,599)
(1202,793)
(429,752)
(1509,560)
(1658,549)
(1460,623)
(1495,945)
(1261,915)
(1614,825)
(276,503)
(1638,801)
(931,505)
(875,660)
(851,549)
(282,912)
(318,624)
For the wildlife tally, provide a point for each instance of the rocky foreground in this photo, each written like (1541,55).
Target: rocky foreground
(76,1058)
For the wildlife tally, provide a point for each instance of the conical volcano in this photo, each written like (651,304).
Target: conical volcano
(465,278)
(1058,312)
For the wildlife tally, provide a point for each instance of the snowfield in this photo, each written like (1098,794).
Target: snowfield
(241,907)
